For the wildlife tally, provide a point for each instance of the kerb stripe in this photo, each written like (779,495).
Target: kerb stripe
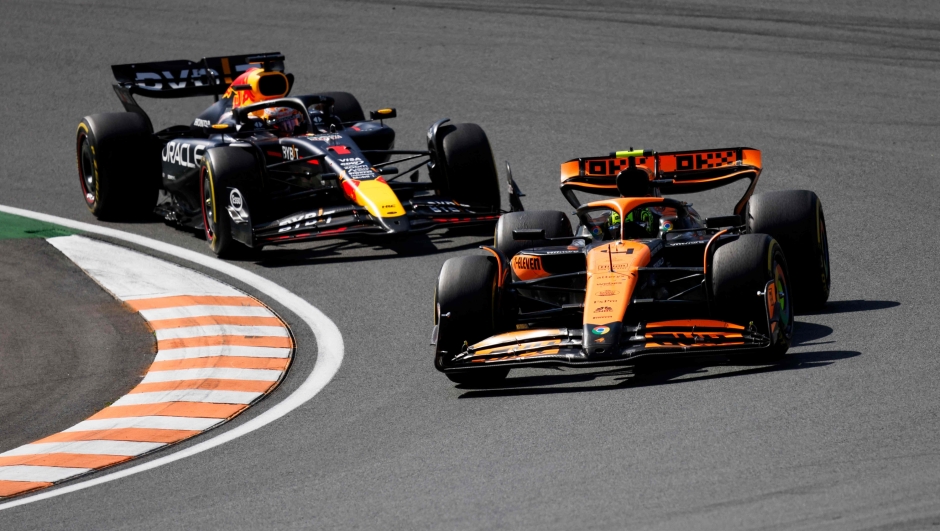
(191,300)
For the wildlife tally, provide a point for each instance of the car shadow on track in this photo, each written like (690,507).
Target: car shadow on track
(833,307)
(665,372)
(368,249)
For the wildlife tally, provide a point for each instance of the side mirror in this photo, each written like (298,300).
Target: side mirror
(584,234)
(528,234)
(221,128)
(723,221)
(388,170)
(383,114)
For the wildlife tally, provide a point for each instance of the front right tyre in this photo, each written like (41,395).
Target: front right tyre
(220,168)
(465,170)
(465,311)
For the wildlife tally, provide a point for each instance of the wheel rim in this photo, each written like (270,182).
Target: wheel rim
(784,307)
(207,206)
(86,171)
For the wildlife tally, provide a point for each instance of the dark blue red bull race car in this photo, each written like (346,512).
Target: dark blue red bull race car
(260,167)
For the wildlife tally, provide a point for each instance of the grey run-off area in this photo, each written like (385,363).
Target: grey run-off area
(841,97)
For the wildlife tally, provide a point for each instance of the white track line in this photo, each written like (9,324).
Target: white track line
(329,351)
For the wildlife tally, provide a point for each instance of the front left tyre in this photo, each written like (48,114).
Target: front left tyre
(740,271)
(118,165)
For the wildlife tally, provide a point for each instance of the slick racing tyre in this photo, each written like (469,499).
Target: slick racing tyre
(465,171)
(222,167)
(554,223)
(795,219)
(740,270)
(465,311)
(118,165)
(345,106)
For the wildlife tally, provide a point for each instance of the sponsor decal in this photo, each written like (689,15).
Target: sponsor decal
(298,218)
(182,79)
(183,154)
(704,161)
(324,137)
(527,262)
(607,293)
(356,168)
(609,166)
(600,330)
(236,207)
(351,162)
(290,152)
(440,207)
(603,309)
(667,226)
(199,122)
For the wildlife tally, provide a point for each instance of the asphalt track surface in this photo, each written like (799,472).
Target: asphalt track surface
(839,96)
(67,347)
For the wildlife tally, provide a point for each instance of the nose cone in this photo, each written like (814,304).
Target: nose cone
(395,224)
(601,340)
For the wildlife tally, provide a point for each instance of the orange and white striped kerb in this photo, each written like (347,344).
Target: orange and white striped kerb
(218,351)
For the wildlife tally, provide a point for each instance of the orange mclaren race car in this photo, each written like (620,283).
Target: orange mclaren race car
(642,275)
(260,168)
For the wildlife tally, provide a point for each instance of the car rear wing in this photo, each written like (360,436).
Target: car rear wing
(676,172)
(182,78)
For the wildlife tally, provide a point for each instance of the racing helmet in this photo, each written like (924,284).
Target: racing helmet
(257,85)
(280,120)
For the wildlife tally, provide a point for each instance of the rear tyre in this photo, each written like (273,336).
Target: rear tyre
(345,106)
(795,219)
(740,270)
(465,301)
(466,171)
(118,165)
(555,224)
(220,168)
